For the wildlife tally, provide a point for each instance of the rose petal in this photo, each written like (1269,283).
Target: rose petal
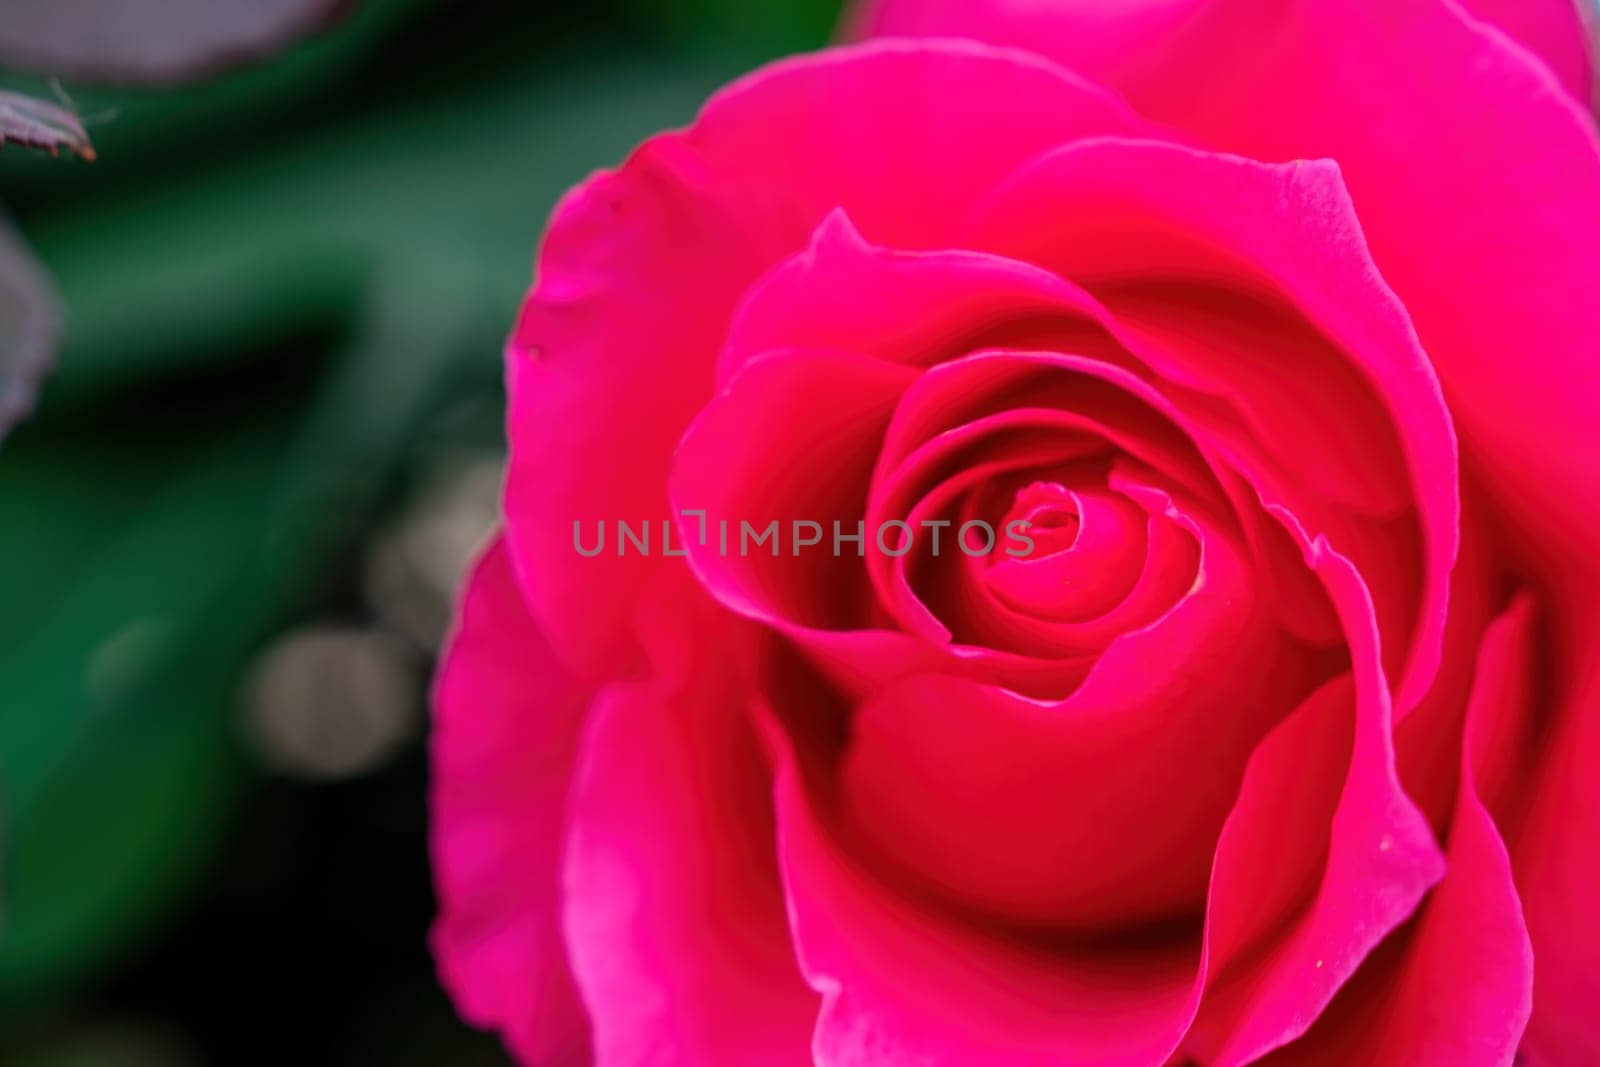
(1552,763)
(673,913)
(1122,43)
(889,972)
(1455,987)
(1428,740)
(1554,30)
(791,439)
(505,735)
(904,305)
(1113,42)
(1306,885)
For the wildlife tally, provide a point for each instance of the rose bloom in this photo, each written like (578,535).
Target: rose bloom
(1278,321)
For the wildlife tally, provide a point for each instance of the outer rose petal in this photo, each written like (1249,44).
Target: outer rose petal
(674,916)
(1118,41)
(1554,30)
(1109,41)
(503,744)
(1454,988)
(617,344)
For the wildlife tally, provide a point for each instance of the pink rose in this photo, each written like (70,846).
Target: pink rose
(1271,326)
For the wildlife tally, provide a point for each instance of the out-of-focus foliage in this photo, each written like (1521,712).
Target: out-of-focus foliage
(285,294)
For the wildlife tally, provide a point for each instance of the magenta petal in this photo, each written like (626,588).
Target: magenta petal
(1554,30)
(903,986)
(1553,762)
(1288,922)
(1114,42)
(913,307)
(641,270)
(1453,989)
(791,439)
(673,913)
(1045,813)
(505,735)
(1123,43)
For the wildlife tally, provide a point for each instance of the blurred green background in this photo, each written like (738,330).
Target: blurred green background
(228,535)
